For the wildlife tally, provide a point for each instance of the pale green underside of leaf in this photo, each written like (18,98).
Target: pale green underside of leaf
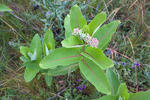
(36,46)
(76,18)
(98,57)
(123,91)
(4,8)
(67,25)
(60,56)
(71,42)
(24,59)
(48,79)
(113,80)
(62,70)
(48,41)
(95,75)
(98,20)
(32,68)
(140,95)
(24,51)
(108,97)
(105,33)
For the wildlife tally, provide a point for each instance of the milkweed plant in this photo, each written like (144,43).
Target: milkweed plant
(82,48)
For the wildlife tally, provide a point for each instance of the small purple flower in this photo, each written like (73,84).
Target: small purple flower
(77,87)
(81,89)
(109,52)
(137,64)
(123,63)
(133,67)
(12,12)
(83,86)
(78,80)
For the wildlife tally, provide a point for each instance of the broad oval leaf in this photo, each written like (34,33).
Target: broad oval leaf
(4,8)
(76,17)
(144,95)
(67,25)
(123,91)
(105,33)
(95,75)
(60,56)
(108,97)
(32,68)
(48,42)
(71,42)
(113,80)
(98,57)
(48,79)
(98,20)
(62,70)
(36,46)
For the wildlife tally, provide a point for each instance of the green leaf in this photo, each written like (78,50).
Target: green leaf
(123,91)
(108,97)
(67,25)
(72,41)
(32,68)
(113,80)
(4,8)
(48,79)
(144,95)
(24,51)
(95,75)
(76,18)
(24,59)
(32,55)
(48,42)
(98,20)
(105,33)
(62,70)
(36,46)
(85,29)
(98,57)
(60,56)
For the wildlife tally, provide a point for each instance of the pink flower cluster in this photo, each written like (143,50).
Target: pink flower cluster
(93,42)
(76,31)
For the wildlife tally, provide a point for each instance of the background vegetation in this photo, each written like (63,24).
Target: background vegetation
(129,48)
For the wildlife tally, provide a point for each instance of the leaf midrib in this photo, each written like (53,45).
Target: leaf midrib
(65,58)
(91,71)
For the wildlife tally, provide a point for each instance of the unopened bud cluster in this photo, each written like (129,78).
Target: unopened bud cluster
(93,42)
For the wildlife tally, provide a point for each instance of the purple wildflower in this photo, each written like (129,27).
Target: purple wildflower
(81,89)
(123,63)
(109,52)
(133,67)
(137,64)
(78,80)
(77,87)
(12,12)
(83,86)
